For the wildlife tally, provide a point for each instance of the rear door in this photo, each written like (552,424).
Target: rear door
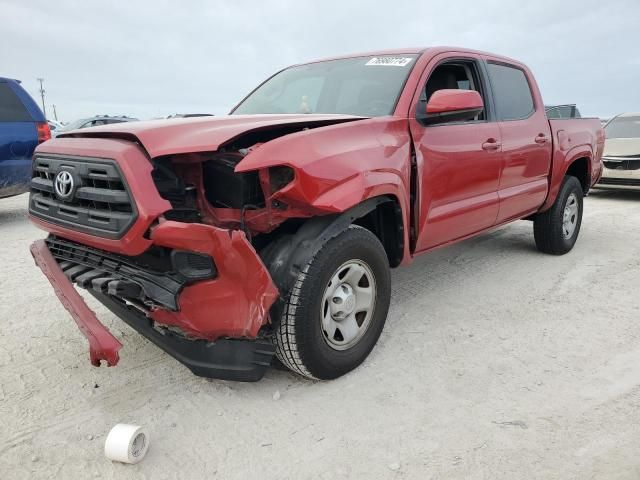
(526,140)
(18,139)
(458,164)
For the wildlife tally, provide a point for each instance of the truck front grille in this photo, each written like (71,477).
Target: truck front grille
(96,199)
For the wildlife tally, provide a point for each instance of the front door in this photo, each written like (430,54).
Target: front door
(458,164)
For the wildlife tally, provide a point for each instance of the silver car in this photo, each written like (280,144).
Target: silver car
(621,155)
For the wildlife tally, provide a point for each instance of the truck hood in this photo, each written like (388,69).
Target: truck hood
(200,134)
(622,147)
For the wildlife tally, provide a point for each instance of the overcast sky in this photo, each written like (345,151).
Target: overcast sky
(153,58)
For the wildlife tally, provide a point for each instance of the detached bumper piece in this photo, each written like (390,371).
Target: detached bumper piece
(102,345)
(226,359)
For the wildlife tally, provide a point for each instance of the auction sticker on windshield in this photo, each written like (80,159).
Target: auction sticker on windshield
(390,61)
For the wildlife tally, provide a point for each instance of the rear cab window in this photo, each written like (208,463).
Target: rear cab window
(511,90)
(11,108)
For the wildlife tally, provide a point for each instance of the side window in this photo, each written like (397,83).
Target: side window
(11,108)
(511,91)
(457,75)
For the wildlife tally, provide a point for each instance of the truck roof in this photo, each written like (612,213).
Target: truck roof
(412,51)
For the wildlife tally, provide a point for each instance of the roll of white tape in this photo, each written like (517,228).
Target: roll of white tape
(126,443)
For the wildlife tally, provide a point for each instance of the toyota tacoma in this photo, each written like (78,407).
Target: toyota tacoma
(229,240)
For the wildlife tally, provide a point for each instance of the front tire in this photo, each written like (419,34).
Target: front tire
(556,230)
(337,308)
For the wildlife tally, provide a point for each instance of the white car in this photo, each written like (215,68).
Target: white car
(54,126)
(621,155)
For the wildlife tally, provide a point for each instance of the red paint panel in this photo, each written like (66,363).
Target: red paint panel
(574,139)
(458,181)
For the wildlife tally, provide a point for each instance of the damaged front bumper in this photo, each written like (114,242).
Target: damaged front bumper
(212,325)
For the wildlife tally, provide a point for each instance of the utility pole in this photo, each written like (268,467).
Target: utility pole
(55,114)
(44,108)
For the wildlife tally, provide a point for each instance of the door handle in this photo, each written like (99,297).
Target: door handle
(541,139)
(491,144)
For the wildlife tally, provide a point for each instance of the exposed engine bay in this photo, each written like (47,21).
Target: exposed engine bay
(204,187)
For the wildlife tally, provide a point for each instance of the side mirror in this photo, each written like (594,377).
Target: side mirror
(450,105)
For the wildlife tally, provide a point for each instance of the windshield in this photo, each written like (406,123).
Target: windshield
(362,86)
(623,127)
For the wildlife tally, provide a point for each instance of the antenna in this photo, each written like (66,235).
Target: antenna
(44,109)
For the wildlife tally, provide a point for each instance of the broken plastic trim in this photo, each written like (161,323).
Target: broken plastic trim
(226,359)
(102,345)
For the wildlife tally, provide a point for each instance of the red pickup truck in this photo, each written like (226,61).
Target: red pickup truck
(271,231)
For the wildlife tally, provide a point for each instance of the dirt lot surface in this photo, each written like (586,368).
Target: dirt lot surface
(496,362)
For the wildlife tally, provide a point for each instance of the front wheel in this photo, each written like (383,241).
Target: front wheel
(337,308)
(556,230)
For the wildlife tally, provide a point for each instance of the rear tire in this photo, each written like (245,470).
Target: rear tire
(556,230)
(337,308)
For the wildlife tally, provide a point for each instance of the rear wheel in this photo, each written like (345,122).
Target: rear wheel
(337,307)
(556,230)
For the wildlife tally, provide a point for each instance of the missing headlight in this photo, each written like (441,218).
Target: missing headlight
(280,177)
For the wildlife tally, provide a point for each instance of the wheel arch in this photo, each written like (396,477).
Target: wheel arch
(286,256)
(577,163)
(580,167)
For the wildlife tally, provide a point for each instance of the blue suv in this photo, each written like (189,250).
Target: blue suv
(22,128)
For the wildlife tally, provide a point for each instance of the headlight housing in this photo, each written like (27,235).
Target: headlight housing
(280,177)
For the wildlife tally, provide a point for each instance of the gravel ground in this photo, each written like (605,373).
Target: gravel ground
(496,362)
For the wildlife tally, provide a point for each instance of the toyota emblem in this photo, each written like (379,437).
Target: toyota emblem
(64,185)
